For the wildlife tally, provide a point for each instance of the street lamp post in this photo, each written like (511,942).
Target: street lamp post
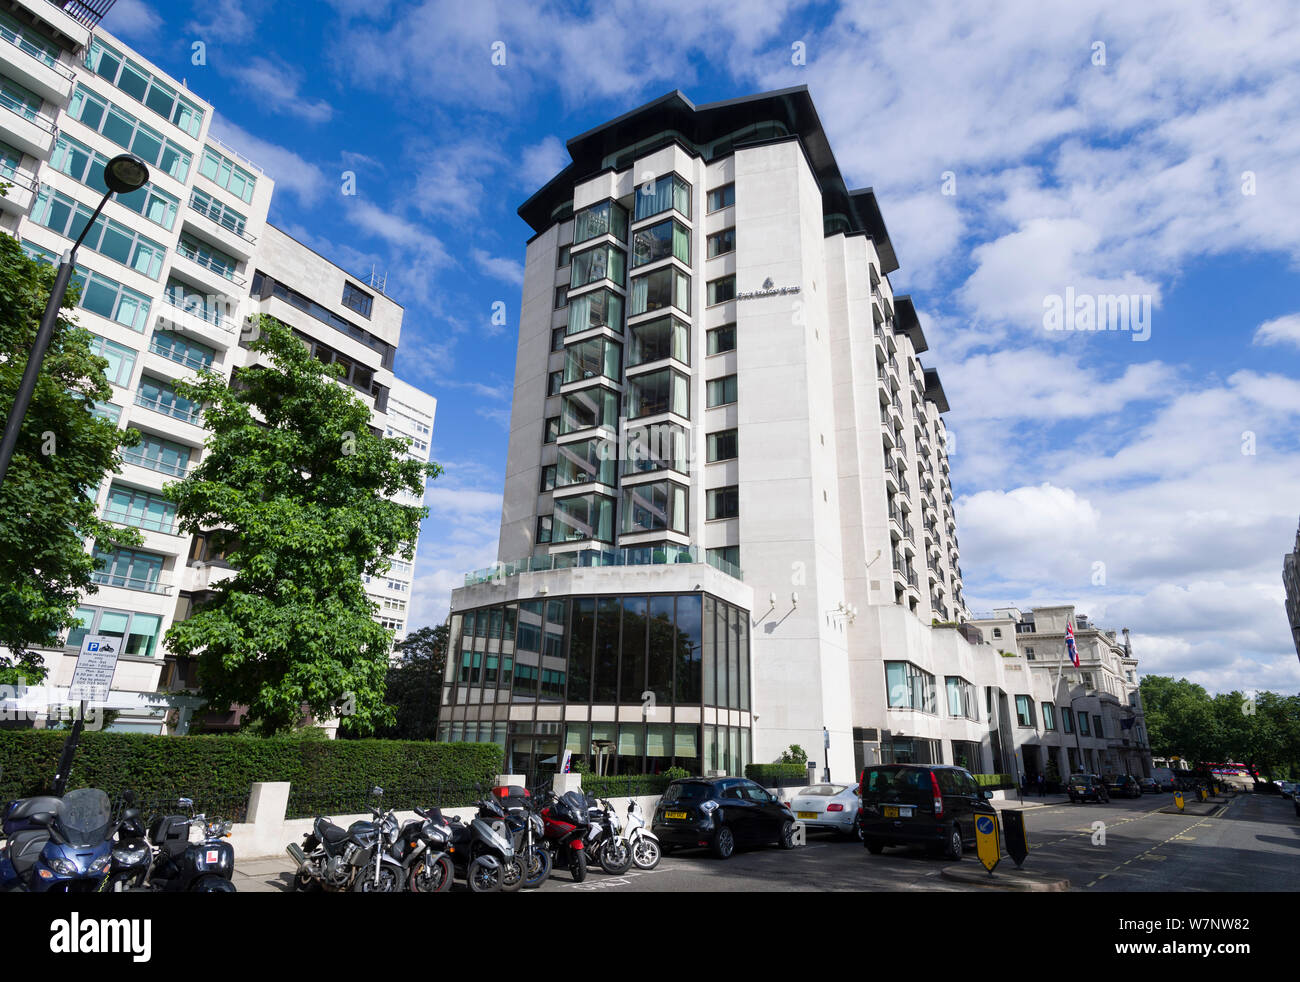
(123,174)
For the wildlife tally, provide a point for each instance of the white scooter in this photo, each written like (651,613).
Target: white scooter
(645,844)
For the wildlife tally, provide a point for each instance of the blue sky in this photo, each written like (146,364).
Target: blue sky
(1145,149)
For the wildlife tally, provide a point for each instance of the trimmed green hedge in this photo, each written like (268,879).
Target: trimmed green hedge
(994,781)
(327,776)
(766,774)
(625,785)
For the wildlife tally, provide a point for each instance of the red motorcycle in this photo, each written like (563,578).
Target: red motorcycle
(566,825)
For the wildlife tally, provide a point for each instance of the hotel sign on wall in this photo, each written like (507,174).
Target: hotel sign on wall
(768,290)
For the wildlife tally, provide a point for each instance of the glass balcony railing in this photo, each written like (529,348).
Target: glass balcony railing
(16,105)
(146,584)
(213,211)
(35,51)
(154,464)
(193,306)
(153,523)
(187,359)
(635,556)
(209,262)
(172,409)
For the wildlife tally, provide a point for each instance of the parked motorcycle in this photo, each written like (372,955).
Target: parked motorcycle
(331,857)
(605,841)
(132,856)
(644,843)
(57,844)
(527,833)
(483,851)
(182,866)
(566,824)
(422,849)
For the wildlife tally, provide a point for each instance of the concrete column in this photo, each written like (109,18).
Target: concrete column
(564,783)
(499,780)
(268,802)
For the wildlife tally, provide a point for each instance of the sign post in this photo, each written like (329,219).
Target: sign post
(1016,837)
(986,841)
(91,681)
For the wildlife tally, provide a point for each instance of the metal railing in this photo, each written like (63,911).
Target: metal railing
(36,52)
(20,108)
(140,460)
(145,584)
(213,317)
(174,411)
(189,361)
(124,518)
(633,556)
(208,262)
(358,800)
(222,217)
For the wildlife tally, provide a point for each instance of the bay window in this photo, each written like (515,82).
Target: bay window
(660,446)
(597,406)
(669,191)
(660,289)
(599,308)
(587,461)
(909,687)
(656,507)
(606,218)
(659,241)
(592,358)
(603,262)
(664,391)
(961,698)
(583,516)
(663,337)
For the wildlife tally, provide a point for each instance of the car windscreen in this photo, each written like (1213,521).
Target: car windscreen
(686,791)
(880,780)
(85,817)
(823,790)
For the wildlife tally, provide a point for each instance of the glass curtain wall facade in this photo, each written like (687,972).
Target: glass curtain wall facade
(681,661)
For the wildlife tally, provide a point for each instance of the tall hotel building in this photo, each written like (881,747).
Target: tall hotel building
(171,277)
(727,523)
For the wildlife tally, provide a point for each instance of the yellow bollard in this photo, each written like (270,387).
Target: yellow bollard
(1178,800)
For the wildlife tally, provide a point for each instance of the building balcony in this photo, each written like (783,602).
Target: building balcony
(24,129)
(202,321)
(143,584)
(185,415)
(137,459)
(32,67)
(220,229)
(192,362)
(633,556)
(23,186)
(207,272)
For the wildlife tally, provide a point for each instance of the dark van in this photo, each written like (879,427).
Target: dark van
(930,805)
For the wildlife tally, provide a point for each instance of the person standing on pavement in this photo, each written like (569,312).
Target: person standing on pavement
(1042,787)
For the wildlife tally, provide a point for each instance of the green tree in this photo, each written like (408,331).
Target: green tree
(794,754)
(295,486)
(1181,719)
(47,512)
(414,688)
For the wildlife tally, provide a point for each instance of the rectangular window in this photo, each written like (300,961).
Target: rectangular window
(139,509)
(654,340)
(659,241)
(605,262)
(1083,725)
(664,391)
(723,503)
(669,191)
(722,242)
(721,290)
(593,358)
(722,446)
(225,173)
(28,40)
(561,297)
(552,429)
(543,528)
(586,461)
(725,558)
(597,406)
(722,339)
(1049,716)
(1067,719)
(67,217)
(655,507)
(20,99)
(1097,730)
(130,569)
(557,339)
(722,197)
(109,298)
(909,687)
(659,446)
(86,167)
(722,391)
(548,478)
(553,382)
(606,218)
(564,257)
(162,398)
(584,517)
(659,290)
(357,299)
(159,455)
(207,256)
(182,350)
(145,87)
(129,133)
(961,698)
(1024,711)
(598,308)
(121,360)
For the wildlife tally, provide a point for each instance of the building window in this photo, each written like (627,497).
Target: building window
(1029,654)
(1083,725)
(67,217)
(722,391)
(722,197)
(725,558)
(143,86)
(586,461)
(909,687)
(86,166)
(1024,711)
(548,478)
(722,446)
(603,262)
(1097,729)
(552,429)
(663,288)
(162,398)
(1067,719)
(561,297)
(1049,716)
(721,290)
(139,632)
(599,308)
(593,358)
(225,216)
(357,299)
(543,528)
(130,569)
(655,507)
(997,632)
(225,173)
(139,509)
(597,406)
(564,257)
(553,382)
(722,242)
(181,350)
(654,340)
(606,218)
(659,241)
(122,128)
(664,391)
(159,455)
(583,517)
(669,191)
(723,503)
(722,339)
(557,339)
(121,360)
(961,698)
(659,446)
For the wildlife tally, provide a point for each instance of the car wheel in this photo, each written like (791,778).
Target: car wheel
(875,848)
(724,843)
(953,849)
(786,839)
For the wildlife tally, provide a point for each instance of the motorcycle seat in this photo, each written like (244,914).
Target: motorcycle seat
(332,833)
(25,848)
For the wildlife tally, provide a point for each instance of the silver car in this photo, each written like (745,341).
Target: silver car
(828,806)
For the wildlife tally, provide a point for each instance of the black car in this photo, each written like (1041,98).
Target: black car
(1149,785)
(913,804)
(720,813)
(1087,787)
(1123,786)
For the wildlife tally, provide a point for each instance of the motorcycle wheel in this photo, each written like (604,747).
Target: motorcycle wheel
(213,884)
(434,877)
(615,857)
(483,878)
(390,881)
(512,875)
(578,866)
(539,868)
(645,854)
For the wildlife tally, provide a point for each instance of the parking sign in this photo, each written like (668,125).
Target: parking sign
(96,663)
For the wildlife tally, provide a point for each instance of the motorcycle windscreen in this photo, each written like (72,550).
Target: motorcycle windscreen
(85,817)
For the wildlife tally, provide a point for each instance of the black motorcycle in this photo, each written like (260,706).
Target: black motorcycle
(132,856)
(527,833)
(180,865)
(483,851)
(422,850)
(333,858)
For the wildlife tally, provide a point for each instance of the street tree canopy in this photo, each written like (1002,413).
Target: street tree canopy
(414,689)
(47,508)
(293,490)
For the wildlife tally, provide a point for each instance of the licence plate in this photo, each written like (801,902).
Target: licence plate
(671,815)
(898,811)
(807,814)
(1079,790)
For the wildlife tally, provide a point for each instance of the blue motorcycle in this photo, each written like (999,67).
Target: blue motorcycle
(57,844)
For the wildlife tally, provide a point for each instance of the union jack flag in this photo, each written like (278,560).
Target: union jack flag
(1069,644)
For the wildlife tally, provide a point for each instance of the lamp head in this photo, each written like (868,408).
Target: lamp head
(125,173)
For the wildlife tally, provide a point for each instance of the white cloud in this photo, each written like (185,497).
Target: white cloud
(290,172)
(508,270)
(133,19)
(541,162)
(279,89)
(1280,330)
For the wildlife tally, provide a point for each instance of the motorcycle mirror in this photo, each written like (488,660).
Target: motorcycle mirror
(128,797)
(185,802)
(377,791)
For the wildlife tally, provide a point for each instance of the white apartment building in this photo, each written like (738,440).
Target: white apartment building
(727,522)
(172,278)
